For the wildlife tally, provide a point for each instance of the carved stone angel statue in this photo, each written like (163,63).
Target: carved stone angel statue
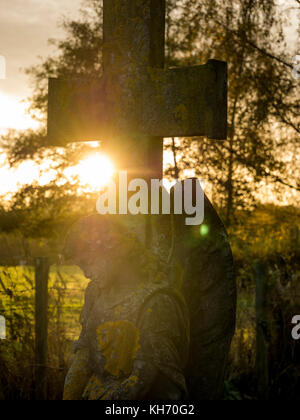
(134,342)
(158,320)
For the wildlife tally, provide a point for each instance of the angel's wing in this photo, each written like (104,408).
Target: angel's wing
(210,291)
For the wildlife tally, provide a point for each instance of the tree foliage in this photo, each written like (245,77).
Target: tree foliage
(263,107)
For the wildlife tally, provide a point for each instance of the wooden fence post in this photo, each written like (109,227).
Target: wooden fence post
(262,340)
(41,326)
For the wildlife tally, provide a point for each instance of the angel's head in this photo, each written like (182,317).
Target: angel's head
(101,247)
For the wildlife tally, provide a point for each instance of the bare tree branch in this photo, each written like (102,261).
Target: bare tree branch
(256,47)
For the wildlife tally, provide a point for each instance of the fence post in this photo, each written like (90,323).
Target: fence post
(41,326)
(262,340)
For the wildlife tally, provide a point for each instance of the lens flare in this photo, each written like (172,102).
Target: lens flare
(204,230)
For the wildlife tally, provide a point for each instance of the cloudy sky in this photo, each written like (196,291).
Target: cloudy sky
(25,27)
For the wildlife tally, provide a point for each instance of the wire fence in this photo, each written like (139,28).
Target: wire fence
(66,293)
(65,290)
(66,286)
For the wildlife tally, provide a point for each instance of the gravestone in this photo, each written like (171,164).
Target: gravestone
(135,104)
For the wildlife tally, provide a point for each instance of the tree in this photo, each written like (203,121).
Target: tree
(249,36)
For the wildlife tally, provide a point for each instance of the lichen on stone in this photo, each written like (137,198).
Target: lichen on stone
(119,342)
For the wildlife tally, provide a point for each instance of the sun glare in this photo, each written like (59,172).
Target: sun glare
(13,114)
(95,171)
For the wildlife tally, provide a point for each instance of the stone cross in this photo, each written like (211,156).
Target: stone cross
(137,101)
(133,105)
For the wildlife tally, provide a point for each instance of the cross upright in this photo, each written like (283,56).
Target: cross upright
(137,101)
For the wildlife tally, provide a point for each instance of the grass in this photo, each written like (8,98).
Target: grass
(66,294)
(17,305)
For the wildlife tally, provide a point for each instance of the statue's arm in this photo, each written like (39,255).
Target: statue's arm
(77,377)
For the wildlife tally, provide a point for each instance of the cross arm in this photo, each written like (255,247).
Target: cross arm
(74,108)
(186,102)
(183,102)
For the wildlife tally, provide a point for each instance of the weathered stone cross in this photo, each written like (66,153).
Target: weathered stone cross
(137,101)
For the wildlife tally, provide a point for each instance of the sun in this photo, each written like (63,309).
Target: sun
(13,114)
(95,171)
